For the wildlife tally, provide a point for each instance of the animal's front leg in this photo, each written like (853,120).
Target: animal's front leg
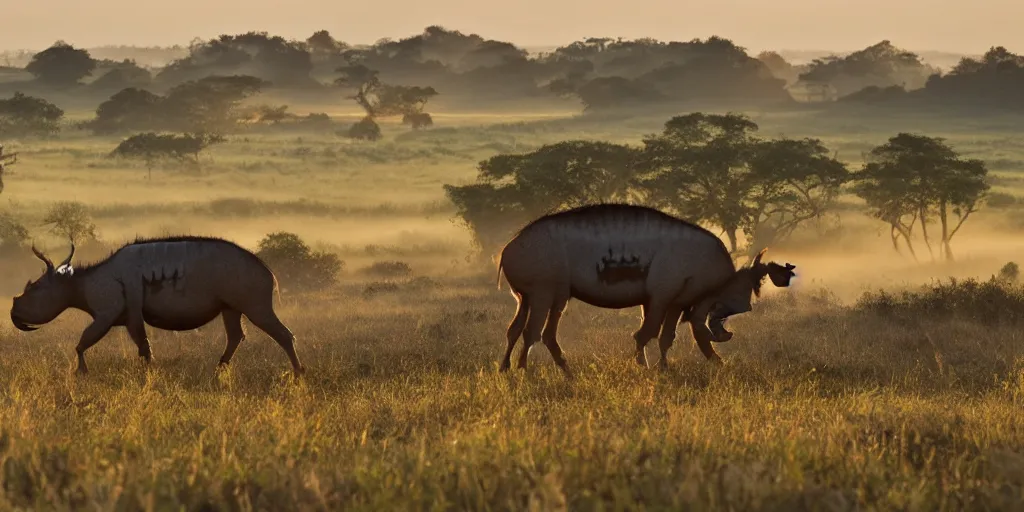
(668,334)
(137,331)
(136,323)
(702,334)
(90,336)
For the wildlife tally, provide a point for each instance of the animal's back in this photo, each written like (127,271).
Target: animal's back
(213,260)
(612,253)
(188,280)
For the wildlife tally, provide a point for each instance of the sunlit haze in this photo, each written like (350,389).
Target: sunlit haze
(969,27)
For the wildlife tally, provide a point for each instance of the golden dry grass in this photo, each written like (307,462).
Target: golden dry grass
(821,405)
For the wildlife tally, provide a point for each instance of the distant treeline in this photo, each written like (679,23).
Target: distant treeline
(602,73)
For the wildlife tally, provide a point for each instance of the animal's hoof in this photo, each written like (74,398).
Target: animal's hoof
(641,359)
(718,331)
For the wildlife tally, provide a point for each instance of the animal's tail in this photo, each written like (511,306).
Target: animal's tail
(277,291)
(500,263)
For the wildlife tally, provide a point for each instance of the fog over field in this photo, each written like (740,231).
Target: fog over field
(378,165)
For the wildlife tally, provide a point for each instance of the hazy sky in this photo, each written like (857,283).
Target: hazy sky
(951,25)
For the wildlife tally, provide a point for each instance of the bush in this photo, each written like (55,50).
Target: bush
(296,265)
(71,220)
(365,129)
(13,233)
(418,120)
(22,115)
(378,287)
(1000,200)
(1009,273)
(989,302)
(389,269)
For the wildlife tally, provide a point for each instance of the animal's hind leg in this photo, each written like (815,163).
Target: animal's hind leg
(539,307)
(235,331)
(550,334)
(269,323)
(515,330)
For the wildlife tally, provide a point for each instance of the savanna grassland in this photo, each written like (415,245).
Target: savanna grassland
(829,400)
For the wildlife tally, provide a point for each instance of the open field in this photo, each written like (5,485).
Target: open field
(823,404)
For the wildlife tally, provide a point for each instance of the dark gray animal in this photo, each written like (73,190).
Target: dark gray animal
(618,256)
(175,283)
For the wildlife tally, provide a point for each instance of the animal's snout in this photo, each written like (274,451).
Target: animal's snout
(21,324)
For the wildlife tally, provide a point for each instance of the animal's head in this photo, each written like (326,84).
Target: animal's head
(46,297)
(735,296)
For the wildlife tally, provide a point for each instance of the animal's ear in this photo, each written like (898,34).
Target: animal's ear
(757,259)
(65,270)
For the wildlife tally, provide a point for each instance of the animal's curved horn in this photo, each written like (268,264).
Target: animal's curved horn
(67,261)
(49,264)
(757,259)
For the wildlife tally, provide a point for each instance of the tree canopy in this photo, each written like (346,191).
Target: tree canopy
(915,180)
(61,65)
(210,104)
(22,115)
(706,168)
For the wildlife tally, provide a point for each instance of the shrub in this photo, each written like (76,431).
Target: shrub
(989,302)
(418,120)
(13,233)
(1009,273)
(296,265)
(71,220)
(1000,200)
(389,269)
(22,115)
(378,287)
(365,129)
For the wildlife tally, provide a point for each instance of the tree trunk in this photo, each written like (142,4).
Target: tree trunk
(731,233)
(924,232)
(906,239)
(947,251)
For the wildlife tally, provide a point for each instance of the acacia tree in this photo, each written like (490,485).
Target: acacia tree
(61,65)
(711,168)
(22,115)
(794,181)
(151,147)
(71,220)
(915,179)
(209,104)
(128,109)
(698,167)
(511,189)
(382,100)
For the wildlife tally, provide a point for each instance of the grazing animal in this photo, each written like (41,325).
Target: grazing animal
(618,256)
(175,283)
